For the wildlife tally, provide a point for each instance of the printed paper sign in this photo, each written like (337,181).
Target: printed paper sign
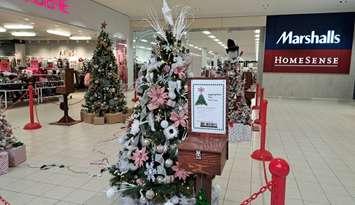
(208,106)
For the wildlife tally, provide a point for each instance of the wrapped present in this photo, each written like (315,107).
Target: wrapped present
(88,117)
(17,155)
(112,118)
(239,133)
(4,163)
(99,120)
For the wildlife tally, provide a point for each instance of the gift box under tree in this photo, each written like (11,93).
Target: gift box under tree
(4,163)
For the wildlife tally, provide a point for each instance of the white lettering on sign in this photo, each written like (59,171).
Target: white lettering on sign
(289,37)
(283,61)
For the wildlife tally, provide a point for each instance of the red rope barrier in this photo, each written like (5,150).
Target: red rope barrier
(32,125)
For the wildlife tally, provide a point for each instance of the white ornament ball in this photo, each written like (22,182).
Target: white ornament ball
(168,163)
(133,167)
(175,200)
(111,192)
(160,149)
(164,124)
(160,180)
(150,194)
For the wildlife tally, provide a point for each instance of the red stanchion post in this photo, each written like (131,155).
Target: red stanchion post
(257,121)
(262,154)
(32,125)
(279,169)
(257,93)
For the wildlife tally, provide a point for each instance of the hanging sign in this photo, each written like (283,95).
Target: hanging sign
(311,43)
(59,5)
(208,105)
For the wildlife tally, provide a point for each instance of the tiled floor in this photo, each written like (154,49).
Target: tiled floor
(316,137)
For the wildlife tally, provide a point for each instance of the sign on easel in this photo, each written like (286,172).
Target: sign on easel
(208,106)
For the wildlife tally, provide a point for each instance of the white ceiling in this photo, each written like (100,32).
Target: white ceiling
(245,39)
(138,9)
(41,25)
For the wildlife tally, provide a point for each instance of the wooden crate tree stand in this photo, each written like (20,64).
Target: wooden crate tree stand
(205,151)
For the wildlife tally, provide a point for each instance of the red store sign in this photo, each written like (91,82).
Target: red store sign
(53,5)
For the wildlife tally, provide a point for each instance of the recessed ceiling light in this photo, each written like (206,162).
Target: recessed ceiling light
(257,35)
(206,32)
(23,34)
(212,36)
(18,26)
(144,40)
(2,29)
(217,40)
(257,31)
(59,32)
(80,38)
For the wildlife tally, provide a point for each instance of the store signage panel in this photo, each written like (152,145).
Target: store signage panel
(310,43)
(52,5)
(208,110)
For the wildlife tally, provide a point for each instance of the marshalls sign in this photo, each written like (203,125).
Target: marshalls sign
(312,43)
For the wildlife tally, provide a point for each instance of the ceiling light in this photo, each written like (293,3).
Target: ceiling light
(80,38)
(206,32)
(217,40)
(134,40)
(23,34)
(59,32)
(212,36)
(26,19)
(257,31)
(191,45)
(144,40)
(257,35)
(2,29)
(18,26)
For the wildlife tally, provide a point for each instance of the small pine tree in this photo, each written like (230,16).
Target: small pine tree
(201,198)
(104,94)
(7,138)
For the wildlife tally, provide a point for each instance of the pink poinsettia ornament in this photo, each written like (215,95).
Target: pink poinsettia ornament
(140,156)
(158,97)
(179,119)
(180,173)
(180,71)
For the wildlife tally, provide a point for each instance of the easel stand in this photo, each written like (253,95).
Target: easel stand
(68,88)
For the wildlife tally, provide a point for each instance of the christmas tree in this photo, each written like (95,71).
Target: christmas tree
(201,99)
(104,94)
(7,138)
(147,170)
(238,110)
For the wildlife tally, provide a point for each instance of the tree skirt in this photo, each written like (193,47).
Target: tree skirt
(239,133)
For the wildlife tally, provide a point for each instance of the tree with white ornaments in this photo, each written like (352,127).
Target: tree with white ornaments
(147,171)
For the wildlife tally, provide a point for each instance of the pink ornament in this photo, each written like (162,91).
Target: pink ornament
(140,156)
(87,79)
(166,68)
(180,71)
(179,119)
(158,97)
(180,173)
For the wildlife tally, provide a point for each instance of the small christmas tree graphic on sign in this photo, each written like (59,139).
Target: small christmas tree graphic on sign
(201,99)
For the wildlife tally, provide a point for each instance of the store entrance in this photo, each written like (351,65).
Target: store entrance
(37,50)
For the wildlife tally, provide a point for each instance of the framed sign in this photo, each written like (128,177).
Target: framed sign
(208,106)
